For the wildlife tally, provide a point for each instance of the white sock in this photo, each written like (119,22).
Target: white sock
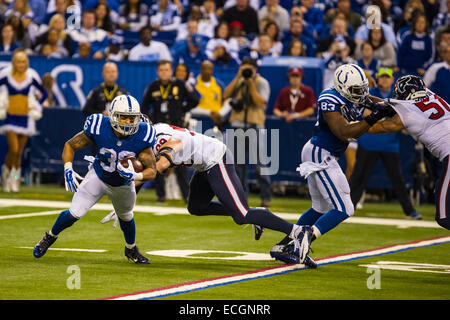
(130,246)
(316,232)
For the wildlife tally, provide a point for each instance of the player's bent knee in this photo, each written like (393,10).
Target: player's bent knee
(239,219)
(127,216)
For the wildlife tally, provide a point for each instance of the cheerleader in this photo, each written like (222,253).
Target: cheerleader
(20,87)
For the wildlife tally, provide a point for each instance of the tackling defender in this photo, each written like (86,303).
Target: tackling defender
(215,175)
(117,137)
(426,117)
(340,120)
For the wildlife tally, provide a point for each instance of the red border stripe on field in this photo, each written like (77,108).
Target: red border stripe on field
(272,271)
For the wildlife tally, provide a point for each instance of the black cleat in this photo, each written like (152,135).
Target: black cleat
(134,255)
(41,247)
(310,263)
(286,254)
(258,231)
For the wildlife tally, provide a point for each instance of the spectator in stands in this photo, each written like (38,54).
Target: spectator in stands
(84,51)
(344,6)
(20,108)
(22,10)
(273,11)
(245,14)
(53,47)
(270,28)
(238,34)
(60,8)
(411,8)
(99,99)
(337,55)
(249,94)
(368,62)
(21,35)
(148,49)
(103,20)
(384,51)
(182,73)
(416,50)
(191,51)
(296,49)
(57,23)
(296,33)
(338,30)
(210,91)
(222,36)
(7,43)
(165,16)
(443,18)
(112,4)
(115,50)
(297,100)
(206,22)
(314,16)
(133,15)
(167,99)
(437,77)
(371,147)
(264,49)
(97,38)
(362,33)
(222,58)
(39,8)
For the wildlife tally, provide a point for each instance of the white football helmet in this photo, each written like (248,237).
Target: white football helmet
(351,82)
(125,107)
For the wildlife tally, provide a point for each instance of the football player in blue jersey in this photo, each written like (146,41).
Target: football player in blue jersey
(344,115)
(119,136)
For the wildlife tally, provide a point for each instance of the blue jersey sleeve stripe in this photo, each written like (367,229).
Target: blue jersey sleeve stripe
(94,122)
(99,123)
(148,132)
(329,101)
(153,136)
(330,96)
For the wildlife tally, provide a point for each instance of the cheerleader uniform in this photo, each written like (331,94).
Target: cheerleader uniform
(19,107)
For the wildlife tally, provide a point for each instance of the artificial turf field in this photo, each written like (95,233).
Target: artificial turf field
(419,273)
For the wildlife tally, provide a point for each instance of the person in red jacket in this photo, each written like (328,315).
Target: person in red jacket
(296,100)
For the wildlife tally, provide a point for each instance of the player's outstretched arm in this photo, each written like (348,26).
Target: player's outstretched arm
(166,154)
(147,158)
(343,129)
(390,125)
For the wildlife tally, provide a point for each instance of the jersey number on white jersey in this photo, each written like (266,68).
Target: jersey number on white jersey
(440,106)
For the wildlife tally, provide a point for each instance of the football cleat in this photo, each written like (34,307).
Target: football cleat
(414,216)
(42,246)
(302,242)
(258,231)
(134,255)
(286,254)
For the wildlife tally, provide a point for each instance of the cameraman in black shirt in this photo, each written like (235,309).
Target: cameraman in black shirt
(170,98)
(100,98)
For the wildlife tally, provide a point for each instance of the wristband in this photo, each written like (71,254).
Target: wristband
(68,165)
(169,158)
(139,176)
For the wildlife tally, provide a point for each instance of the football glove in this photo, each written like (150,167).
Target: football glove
(112,216)
(128,173)
(71,178)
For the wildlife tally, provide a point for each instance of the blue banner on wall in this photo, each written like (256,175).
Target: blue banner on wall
(75,78)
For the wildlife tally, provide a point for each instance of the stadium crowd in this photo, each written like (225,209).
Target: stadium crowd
(413,37)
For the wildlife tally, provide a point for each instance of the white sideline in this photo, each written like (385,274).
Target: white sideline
(399,223)
(70,249)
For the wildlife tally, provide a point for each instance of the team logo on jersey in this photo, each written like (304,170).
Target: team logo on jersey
(119,143)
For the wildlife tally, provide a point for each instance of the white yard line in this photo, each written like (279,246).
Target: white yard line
(70,249)
(399,223)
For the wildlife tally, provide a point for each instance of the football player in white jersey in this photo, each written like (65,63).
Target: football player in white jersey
(215,175)
(426,117)
(119,136)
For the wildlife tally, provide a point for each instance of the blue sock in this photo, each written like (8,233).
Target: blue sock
(309,217)
(129,230)
(330,220)
(65,220)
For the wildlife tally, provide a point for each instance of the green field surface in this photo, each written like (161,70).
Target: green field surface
(106,274)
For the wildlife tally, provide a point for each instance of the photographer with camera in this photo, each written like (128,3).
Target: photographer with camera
(249,94)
